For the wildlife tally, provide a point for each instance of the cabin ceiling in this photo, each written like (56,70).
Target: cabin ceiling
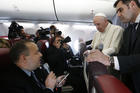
(55,10)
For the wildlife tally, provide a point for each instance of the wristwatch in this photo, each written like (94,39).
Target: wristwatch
(111,60)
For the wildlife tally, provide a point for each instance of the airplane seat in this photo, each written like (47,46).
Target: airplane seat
(4,57)
(43,45)
(13,41)
(109,84)
(95,69)
(102,82)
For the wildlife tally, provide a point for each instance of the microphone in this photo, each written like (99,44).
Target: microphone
(86,54)
(100,47)
(46,66)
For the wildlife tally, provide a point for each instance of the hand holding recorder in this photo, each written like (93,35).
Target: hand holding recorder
(61,80)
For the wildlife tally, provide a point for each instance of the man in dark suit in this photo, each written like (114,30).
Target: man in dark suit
(128,59)
(17,77)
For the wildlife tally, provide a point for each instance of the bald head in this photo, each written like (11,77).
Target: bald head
(100,21)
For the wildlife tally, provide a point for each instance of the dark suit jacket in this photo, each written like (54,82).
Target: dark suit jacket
(14,80)
(129,57)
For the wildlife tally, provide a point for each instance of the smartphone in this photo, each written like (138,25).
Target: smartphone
(63,79)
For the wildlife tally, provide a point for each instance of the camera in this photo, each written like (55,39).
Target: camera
(44,31)
(59,33)
(14,30)
(66,40)
(15,27)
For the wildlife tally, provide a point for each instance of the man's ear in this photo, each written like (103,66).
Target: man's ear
(132,4)
(22,57)
(106,21)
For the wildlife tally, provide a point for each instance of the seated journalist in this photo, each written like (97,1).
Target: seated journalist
(18,77)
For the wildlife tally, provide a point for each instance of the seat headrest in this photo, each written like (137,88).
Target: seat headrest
(4,56)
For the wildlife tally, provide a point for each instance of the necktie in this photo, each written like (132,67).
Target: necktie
(33,76)
(133,33)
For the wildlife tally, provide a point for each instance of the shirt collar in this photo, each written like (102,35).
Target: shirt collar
(27,72)
(137,19)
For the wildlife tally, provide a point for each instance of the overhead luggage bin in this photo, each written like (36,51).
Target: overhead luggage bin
(83,10)
(30,10)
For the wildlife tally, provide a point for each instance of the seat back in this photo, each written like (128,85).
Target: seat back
(102,82)
(43,45)
(13,41)
(4,57)
(109,84)
(95,69)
